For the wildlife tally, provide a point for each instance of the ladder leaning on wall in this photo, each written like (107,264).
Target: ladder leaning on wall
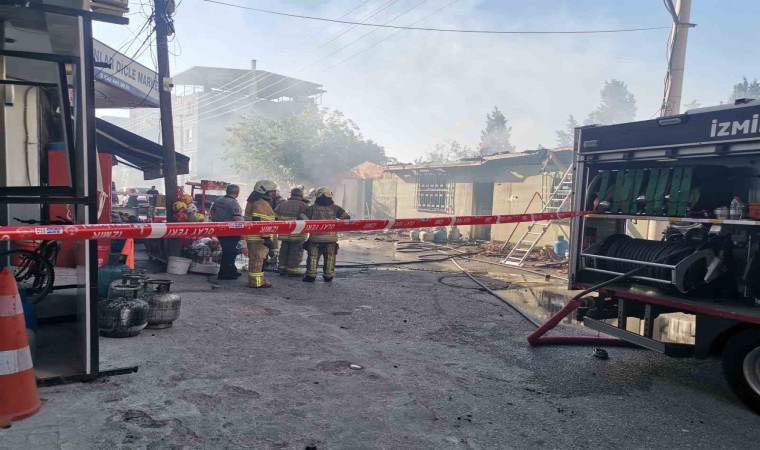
(559,201)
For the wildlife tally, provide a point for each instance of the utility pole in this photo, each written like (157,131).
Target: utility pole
(681,12)
(164,27)
(671,104)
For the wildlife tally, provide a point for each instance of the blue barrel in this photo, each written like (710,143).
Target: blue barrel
(30,311)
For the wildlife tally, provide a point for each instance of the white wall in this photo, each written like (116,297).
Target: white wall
(22,148)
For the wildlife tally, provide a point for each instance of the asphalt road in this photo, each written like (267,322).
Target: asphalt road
(441,367)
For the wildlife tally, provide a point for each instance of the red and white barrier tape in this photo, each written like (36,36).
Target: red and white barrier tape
(206,229)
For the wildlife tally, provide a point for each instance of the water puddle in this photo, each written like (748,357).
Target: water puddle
(543,302)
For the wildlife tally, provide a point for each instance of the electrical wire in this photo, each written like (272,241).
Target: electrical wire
(199,118)
(392,35)
(220,94)
(246,83)
(256,80)
(443,30)
(247,105)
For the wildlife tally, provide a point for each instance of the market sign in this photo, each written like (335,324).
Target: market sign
(125,74)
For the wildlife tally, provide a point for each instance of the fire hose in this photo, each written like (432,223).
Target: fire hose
(538,338)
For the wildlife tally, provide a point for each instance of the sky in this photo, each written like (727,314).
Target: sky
(410,90)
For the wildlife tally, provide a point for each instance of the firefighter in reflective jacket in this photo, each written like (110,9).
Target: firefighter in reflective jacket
(322,244)
(291,246)
(274,252)
(259,208)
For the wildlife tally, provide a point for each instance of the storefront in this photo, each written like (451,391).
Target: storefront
(56,160)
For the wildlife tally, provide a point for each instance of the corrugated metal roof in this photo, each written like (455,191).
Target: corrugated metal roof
(564,154)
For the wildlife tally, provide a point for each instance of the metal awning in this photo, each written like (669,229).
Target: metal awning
(136,151)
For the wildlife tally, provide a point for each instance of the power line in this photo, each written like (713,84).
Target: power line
(233,87)
(391,35)
(222,94)
(198,119)
(441,30)
(306,67)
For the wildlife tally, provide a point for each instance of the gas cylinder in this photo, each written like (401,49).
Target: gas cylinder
(454,234)
(441,237)
(164,305)
(124,314)
(130,278)
(107,275)
(427,236)
(414,235)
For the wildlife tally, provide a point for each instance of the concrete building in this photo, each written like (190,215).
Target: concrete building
(367,191)
(207,100)
(510,183)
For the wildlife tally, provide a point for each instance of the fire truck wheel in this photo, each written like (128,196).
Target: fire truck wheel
(741,366)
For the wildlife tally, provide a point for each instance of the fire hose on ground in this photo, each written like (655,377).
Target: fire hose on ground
(206,229)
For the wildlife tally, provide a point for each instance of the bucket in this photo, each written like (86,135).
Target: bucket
(754,210)
(104,250)
(178,266)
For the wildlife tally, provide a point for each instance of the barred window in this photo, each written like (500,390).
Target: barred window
(434,193)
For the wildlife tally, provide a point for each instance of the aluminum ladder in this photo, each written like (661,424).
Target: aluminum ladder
(560,198)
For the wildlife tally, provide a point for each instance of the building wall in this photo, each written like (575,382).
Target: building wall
(406,188)
(513,197)
(384,198)
(513,188)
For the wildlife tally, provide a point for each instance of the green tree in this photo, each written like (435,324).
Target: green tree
(745,89)
(565,137)
(450,151)
(306,148)
(495,138)
(617,105)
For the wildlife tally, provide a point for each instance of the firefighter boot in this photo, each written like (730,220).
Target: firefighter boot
(257,253)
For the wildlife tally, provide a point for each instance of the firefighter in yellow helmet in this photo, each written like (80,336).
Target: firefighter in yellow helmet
(291,249)
(259,208)
(322,244)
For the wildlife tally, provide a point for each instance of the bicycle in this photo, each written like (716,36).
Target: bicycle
(34,270)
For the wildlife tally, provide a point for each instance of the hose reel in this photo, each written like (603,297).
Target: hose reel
(684,265)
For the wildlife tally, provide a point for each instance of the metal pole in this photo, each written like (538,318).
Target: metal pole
(672,102)
(163,24)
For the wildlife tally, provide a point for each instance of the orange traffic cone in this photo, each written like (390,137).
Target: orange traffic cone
(18,386)
(129,252)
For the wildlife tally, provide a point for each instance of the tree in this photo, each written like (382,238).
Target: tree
(745,89)
(450,151)
(495,138)
(618,105)
(565,137)
(690,105)
(310,147)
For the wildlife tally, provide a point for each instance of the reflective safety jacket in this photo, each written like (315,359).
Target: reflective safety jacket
(291,209)
(329,212)
(258,210)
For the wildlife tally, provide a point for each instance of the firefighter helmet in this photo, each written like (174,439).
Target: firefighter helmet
(324,192)
(264,186)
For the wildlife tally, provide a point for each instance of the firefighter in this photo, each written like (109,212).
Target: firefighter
(274,252)
(259,208)
(322,244)
(291,246)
